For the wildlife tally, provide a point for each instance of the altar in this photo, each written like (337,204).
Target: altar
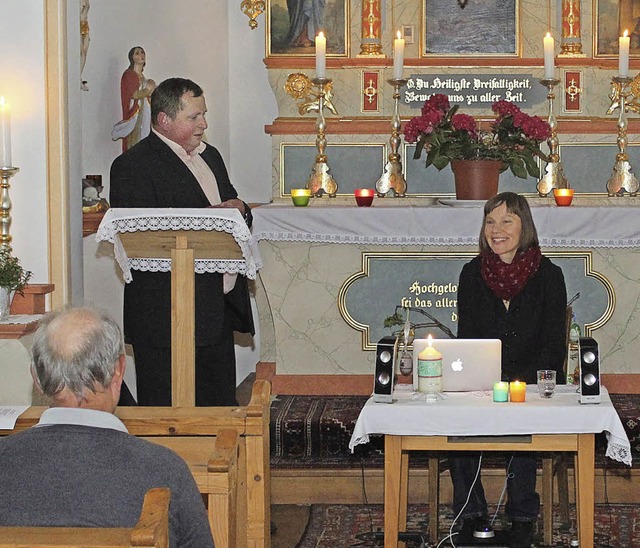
(313,255)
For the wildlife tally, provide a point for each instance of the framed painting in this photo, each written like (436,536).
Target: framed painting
(487,28)
(610,19)
(292,26)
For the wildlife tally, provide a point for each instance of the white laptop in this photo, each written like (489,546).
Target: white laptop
(467,364)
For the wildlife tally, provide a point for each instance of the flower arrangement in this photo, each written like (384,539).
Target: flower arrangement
(446,135)
(12,276)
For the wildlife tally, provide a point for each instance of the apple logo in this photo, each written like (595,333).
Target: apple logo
(456,365)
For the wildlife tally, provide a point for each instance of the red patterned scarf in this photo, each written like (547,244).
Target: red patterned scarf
(506,280)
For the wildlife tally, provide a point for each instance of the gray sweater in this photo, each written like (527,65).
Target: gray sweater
(82,476)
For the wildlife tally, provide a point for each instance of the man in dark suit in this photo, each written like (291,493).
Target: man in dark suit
(174,167)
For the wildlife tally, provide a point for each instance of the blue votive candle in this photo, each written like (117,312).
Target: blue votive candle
(501,392)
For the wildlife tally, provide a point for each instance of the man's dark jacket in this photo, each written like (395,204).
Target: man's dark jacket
(151,175)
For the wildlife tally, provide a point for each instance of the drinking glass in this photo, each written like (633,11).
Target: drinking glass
(546,383)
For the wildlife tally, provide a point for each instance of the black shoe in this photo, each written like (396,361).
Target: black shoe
(521,534)
(472,526)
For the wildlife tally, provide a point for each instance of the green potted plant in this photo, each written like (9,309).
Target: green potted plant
(449,137)
(12,278)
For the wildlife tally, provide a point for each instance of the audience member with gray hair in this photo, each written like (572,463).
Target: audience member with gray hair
(79,467)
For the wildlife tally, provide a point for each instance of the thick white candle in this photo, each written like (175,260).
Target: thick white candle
(5,134)
(398,56)
(549,67)
(321,56)
(623,58)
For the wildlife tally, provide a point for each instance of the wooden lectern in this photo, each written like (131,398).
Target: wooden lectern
(183,247)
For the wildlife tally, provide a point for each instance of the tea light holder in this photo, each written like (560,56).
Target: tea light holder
(517,391)
(392,177)
(554,172)
(321,181)
(563,196)
(300,196)
(364,196)
(622,177)
(500,392)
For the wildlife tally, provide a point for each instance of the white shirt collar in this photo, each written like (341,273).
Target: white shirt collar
(179,149)
(81,417)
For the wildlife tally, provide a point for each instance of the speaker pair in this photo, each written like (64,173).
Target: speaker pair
(589,371)
(383,380)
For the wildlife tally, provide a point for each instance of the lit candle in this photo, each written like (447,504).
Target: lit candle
(500,391)
(429,369)
(5,134)
(623,59)
(563,196)
(517,391)
(549,67)
(321,56)
(398,56)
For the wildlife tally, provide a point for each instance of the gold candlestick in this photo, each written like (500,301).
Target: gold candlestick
(321,181)
(392,177)
(622,177)
(5,207)
(554,173)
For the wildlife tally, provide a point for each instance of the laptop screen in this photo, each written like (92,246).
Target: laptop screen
(467,364)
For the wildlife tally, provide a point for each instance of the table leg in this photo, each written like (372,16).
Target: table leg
(392,481)
(404,494)
(585,485)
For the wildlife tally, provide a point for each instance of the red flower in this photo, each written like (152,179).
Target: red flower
(437,102)
(466,123)
(422,124)
(505,108)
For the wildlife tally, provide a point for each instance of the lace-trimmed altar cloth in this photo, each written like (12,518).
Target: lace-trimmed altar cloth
(475,414)
(576,226)
(119,220)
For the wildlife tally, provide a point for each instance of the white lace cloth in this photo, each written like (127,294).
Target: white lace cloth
(589,227)
(21,319)
(119,220)
(475,414)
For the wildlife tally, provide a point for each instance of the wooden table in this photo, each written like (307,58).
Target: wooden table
(473,422)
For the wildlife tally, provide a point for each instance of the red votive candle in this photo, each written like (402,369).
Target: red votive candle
(563,196)
(364,196)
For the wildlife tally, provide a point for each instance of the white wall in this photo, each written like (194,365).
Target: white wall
(22,66)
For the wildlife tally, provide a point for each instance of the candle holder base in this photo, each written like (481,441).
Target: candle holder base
(321,181)
(392,179)
(5,207)
(553,178)
(622,179)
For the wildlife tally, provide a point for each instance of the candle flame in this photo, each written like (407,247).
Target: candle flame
(430,341)
(625,33)
(548,35)
(399,35)
(321,34)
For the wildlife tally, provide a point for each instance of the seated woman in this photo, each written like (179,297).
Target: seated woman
(512,293)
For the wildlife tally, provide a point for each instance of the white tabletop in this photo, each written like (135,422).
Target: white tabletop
(476,414)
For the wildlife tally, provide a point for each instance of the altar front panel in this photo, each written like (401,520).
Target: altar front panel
(304,332)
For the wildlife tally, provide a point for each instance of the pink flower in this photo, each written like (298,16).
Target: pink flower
(505,108)
(466,123)
(438,102)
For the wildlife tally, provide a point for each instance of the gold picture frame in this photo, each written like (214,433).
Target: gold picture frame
(481,29)
(610,19)
(291,32)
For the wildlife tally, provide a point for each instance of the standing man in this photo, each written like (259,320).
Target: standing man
(79,467)
(174,167)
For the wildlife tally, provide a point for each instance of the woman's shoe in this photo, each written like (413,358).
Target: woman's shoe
(521,534)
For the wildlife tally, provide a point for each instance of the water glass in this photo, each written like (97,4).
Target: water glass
(546,383)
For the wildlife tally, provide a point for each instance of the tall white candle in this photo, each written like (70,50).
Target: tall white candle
(5,134)
(623,58)
(398,56)
(321,56)
(549,67)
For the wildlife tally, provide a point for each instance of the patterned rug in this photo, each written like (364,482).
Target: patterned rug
(344,525)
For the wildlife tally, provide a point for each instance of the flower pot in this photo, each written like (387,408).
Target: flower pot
(476,179)
(6,296)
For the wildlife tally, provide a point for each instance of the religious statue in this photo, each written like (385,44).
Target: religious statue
(135,95)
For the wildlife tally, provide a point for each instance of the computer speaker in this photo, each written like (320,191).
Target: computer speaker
(589,371)
(385,370)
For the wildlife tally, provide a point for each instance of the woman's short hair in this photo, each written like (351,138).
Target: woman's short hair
(77,349)
(516,205)
(167,95)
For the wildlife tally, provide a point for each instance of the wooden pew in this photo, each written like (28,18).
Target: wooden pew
(151,531)
(192,432)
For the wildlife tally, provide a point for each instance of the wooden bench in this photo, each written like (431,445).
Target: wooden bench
(151,531)
(203,437)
